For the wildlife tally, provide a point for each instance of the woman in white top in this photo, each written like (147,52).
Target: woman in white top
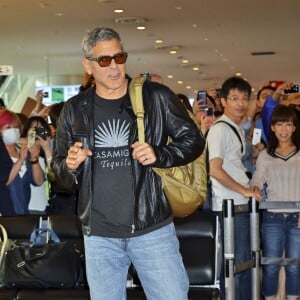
(25,168)
(278,167)
(39,195)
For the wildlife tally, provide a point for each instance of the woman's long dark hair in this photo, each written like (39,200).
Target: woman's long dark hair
(30,121)
(281,114)
(28,125)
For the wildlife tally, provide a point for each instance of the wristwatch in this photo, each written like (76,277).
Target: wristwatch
(34,161)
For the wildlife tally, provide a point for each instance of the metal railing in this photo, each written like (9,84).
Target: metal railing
(229,210)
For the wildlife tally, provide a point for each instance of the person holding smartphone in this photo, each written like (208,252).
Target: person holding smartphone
(204,114)
(41,136)
(25,168)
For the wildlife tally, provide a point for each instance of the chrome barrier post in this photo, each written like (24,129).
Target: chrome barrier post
(228,213)
(255,248)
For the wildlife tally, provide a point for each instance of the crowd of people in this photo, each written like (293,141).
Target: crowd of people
(27,184)
(88,161)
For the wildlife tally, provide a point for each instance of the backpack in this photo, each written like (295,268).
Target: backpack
(184,186)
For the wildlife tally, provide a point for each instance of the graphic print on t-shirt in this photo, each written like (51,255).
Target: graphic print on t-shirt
(112,135)
(111,144)
(113,193)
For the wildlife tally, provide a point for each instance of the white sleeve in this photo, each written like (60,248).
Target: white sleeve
(216,141)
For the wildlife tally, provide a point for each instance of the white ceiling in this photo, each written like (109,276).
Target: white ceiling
(42,38)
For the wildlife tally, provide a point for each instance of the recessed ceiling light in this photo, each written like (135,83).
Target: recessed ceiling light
(238,74)
(59,14)
(170,76)
(180,82)
(141,27)
(173,52)
(196,68)
(159,41)
(119,10)
(188,87)
(185,61)
(178,7)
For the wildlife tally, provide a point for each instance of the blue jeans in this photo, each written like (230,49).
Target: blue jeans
(242,250)
(279,233)
(155,256)
(242,254)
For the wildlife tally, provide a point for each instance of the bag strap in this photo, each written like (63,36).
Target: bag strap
(136,98)
(235,131)
(4,241)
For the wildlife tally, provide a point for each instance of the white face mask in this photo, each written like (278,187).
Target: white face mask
(11,135)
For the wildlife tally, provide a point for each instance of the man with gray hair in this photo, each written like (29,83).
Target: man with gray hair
(125,215)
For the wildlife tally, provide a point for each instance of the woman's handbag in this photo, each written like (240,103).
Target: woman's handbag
(36,265)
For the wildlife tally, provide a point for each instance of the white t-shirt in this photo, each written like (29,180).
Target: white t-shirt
(38,199)
(223,143)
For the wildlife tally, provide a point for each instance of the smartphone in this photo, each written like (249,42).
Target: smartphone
(49,121)
(292,89)
(202,100)
(31,138)
(256,138)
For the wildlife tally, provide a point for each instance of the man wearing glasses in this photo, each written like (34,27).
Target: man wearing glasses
(226,146)
(125,215)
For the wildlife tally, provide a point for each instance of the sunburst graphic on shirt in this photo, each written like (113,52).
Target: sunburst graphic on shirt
(112,134)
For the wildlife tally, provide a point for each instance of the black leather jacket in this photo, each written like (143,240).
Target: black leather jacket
(164,116)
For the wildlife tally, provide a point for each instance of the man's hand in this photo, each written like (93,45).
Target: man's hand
(76,155)
(144,153)
(254,192)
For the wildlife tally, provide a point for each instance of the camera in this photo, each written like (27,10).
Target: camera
(292,89)
(42,132)
(45,94)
